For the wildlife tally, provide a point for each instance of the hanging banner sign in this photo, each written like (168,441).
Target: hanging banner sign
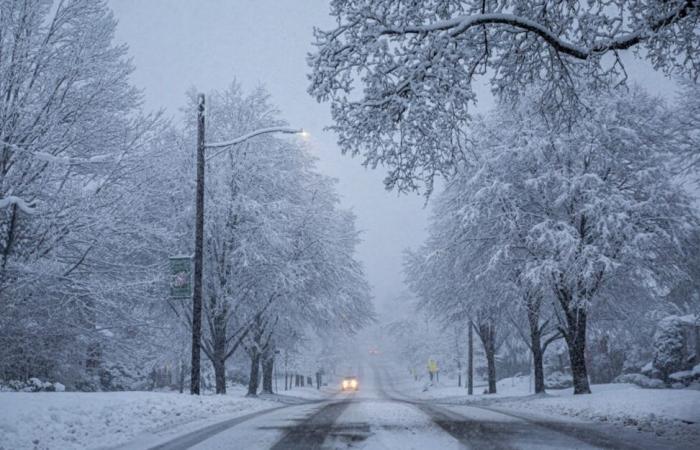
(180,276)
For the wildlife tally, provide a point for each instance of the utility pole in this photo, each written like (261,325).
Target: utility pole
(198,253)
(470,361)
(202,145)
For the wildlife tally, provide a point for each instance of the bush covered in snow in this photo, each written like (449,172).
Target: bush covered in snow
(31,385)
(669,346)
(640,380)
(558,380)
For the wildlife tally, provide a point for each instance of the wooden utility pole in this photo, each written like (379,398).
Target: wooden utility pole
(198,253)
(199,231)
(470,361)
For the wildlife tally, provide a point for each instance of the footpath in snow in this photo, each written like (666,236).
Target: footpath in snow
(78,420)
(672,413)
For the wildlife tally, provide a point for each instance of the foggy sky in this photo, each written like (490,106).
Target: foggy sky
(179,44)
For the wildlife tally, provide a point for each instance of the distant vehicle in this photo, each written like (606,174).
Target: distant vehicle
(374,351)
(350,384)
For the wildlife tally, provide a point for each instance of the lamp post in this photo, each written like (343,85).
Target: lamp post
(202,145)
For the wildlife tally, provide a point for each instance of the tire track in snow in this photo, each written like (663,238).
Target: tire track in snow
(312,432)
(195,437)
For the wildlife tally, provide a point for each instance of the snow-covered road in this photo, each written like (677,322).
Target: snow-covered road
(381,416)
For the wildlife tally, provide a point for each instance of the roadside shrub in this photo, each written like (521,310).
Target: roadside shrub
(669,346)
(558,380)
(640,380)
(31,385)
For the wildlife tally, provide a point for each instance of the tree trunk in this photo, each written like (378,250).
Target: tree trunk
(491,363)
(538,364)
(220,376)
(267,373)
(470,361)
(181,378)
(219,362)
(576,343)
(487,333)
(536,349)
(254,380)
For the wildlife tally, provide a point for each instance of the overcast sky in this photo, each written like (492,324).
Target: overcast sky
(178,44)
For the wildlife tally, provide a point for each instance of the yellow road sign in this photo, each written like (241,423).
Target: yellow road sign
(432,366)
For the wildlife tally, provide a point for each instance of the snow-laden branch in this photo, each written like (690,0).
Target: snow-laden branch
(49,158)
(21,204)
(253,134)
(459,25)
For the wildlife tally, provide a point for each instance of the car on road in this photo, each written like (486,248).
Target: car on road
(350,384)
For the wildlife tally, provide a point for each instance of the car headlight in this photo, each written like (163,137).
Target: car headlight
(353,383)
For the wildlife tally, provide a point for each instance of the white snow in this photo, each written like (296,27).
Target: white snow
(670,412)
(49,158)
(391,425)
(682,375)
(674,413)
(72,420)
(21,203)
(689,319)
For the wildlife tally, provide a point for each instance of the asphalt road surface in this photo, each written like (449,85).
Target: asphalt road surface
(378,416)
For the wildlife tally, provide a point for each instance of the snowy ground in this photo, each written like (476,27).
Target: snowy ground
(72,420)
(672,413)
(389,411)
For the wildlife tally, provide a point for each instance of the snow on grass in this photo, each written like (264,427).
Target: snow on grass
(673,413)
(447,389)
(669,412)
(77,420)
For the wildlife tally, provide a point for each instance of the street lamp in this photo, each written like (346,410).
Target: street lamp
(202,145)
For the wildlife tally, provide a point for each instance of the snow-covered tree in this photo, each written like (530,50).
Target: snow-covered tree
(587,209)
(687,124)
(399,74)
(450,276)
(70,128)
(279,253)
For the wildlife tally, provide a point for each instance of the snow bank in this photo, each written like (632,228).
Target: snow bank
(307,393)
(673,413)
(73,420)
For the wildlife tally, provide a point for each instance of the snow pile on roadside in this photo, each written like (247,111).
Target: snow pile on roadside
(301,395)
(76,420)
(672,413)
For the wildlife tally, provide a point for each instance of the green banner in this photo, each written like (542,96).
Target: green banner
(180,277)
